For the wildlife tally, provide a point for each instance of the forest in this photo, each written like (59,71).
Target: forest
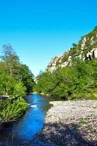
(78,81)
(16,81)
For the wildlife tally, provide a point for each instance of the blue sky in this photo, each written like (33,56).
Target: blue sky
(41,29)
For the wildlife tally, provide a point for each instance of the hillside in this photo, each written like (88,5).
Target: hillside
(86,49)
(72,75)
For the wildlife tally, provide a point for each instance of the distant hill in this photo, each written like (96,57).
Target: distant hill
(86,49)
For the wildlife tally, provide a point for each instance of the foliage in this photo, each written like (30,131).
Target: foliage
(80,50)
(81,122)
(19,89)
(10,59)
(26,77)
(79,79)
(76,82)
(12,110)
(16,80)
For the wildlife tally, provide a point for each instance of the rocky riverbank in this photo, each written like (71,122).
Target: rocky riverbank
(71,123)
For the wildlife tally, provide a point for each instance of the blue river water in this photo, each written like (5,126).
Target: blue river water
(23,131)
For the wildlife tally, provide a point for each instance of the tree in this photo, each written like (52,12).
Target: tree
(16,72)
(26,77)
(74,45)
(10,59)
(95,28)
(16,80)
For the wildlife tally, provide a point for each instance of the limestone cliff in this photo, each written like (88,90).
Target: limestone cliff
(86,49)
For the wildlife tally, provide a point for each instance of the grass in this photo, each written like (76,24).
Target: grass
(81,122)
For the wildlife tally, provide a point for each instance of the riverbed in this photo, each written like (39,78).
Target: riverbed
(71,123)
(23,132)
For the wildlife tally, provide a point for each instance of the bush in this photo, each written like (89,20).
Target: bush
(11,110)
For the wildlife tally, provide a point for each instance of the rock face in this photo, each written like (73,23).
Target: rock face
(86,49)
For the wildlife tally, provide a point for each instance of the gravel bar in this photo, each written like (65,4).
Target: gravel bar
(71,123)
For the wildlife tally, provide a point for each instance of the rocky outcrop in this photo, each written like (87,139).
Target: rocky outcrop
(53,63)
(86,49)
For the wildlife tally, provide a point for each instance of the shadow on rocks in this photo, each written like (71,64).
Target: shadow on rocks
(64,135)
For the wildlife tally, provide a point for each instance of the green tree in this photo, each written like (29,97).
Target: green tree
(27,77)
(11,60)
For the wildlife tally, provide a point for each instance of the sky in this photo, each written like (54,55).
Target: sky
(39,30)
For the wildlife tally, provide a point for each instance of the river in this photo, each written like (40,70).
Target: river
(23,132)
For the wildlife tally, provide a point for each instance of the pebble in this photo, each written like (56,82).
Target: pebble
(71,123)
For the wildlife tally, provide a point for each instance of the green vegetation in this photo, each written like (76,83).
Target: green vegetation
(90,41)
(78,81)
(81,122)
(16,80)
(11,110)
